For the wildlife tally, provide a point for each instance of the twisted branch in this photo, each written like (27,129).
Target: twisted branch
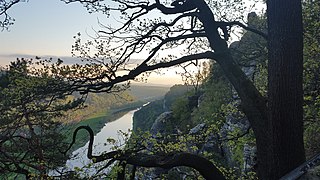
(205,167)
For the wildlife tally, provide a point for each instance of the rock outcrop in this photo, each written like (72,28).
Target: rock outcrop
(160,125)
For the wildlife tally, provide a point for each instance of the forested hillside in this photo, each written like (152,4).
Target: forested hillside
(145,117)
(132,98)
(146,92)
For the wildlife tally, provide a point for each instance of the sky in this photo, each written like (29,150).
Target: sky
(46,28)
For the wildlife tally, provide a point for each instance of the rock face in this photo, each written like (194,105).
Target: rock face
(211,144)
(236,122)
(201,99)
(197,129)
(161,123)
(164,125)
(249,60)
(249,158)
(144,118)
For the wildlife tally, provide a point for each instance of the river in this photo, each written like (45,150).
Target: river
(110,130)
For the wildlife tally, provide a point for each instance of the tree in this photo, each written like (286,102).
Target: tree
(195,77)
(198,28)
(285,95)
(30,135)
(272,141)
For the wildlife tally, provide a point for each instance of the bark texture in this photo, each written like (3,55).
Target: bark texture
(285,96)
(279,127)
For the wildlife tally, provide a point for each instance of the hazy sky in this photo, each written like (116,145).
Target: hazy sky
(46,28)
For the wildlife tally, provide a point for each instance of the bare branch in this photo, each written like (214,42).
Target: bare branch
(171,39)
(81,1)
(106,86)
(4,7)
(185,6)
(264,35)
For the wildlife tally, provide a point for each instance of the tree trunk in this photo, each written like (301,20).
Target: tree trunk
(279,129)
(285,94)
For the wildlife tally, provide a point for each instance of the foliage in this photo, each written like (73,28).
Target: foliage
(311,76)
(168,145)
(251,52)
(29,104)
(217,93)
(176,91)
(181,114)
(40,111)
(195,77)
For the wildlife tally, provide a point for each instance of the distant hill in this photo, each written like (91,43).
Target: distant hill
(147,92)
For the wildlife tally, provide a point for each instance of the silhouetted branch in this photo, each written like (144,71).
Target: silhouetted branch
(205,167)
(89,130)
(185,6)
(4,7)
(85,87)
(264,35)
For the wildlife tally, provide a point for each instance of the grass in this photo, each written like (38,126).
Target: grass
(96,121)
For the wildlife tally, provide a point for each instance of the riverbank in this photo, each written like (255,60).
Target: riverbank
(101,144)
(96,121)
